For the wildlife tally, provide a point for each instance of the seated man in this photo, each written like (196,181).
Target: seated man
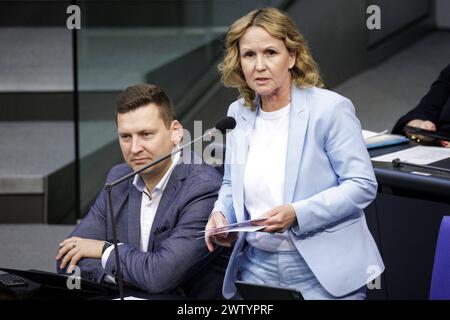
(433,111)
(158,213)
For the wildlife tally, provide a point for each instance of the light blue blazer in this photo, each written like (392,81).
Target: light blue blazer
(329,180)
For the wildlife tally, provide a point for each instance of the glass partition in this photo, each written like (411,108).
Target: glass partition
(174,44)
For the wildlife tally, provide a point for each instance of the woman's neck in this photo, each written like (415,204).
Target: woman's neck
(278,99)
(274,104)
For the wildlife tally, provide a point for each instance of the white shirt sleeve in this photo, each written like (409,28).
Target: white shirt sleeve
(105,257)
(106,254)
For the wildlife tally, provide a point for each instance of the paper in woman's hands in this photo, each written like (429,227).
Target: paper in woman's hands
(243,226)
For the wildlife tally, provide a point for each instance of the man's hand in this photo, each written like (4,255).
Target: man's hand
(422,124)
(75,248)
(217,220)
(279,219)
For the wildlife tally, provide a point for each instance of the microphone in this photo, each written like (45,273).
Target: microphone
(225,124)
(228,123)
(397,163)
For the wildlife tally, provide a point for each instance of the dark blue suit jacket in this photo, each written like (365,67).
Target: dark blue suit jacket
(175,259)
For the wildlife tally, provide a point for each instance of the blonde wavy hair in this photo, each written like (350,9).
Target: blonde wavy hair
(305,72)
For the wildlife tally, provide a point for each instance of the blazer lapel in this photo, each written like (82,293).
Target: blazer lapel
(298,123)
(246,123)
(134,215)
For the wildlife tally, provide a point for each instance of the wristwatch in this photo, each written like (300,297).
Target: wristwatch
(106,246)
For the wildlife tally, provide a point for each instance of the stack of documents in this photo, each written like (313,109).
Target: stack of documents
(417,155)
(382,139)
(244,226)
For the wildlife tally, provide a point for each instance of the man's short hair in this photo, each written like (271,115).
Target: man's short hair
(140,95)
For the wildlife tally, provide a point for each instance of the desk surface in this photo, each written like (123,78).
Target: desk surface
(435,186)
(42,285)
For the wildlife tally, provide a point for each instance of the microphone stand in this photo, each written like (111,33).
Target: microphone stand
(396,163)
(108,188)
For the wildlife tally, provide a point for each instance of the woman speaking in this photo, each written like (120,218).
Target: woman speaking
(296,158)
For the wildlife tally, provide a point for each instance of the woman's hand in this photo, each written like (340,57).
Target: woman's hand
(75,248)
(217,220)
(279,219)
(422,124)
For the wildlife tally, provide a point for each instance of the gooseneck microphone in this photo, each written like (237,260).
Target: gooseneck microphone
(228,123)
(225,124)
(397,163)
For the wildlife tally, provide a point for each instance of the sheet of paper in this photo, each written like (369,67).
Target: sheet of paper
(236,229)
(130,298)
(370,134)
(243,226)
(418,155)
(245,223)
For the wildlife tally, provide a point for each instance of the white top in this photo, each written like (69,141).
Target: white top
(149,206)
(264,175)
